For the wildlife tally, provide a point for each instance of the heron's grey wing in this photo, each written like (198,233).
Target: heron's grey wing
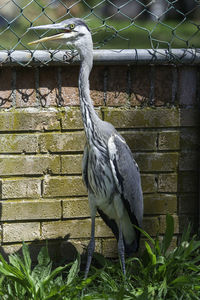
(85,166)
(126,175)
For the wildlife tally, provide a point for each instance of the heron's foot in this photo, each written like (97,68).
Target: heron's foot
(90,251)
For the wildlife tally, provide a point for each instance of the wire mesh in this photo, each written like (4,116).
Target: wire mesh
(116,24)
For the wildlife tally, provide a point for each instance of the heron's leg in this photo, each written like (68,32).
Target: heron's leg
(121,249)
(91,247)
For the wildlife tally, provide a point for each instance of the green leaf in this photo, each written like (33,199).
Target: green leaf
(168,233)
(27,258)
(145,234)
(73,270)
(151,254)
(181,280)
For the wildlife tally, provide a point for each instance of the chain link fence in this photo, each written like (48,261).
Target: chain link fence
(116,24)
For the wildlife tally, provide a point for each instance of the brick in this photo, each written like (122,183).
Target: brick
(76,208)
(149,184)
(142,118)
(29,165)
(188,181)
(69,86)
(116,86)
(140,85)
(72,118)
(169,140)
(48,92)
(64,186)
(80,245)
(25,88)
(20,188)
(109,248)
(153,162)
(71,164)
(160,204)
(189,138)
(6,92)
(30,210)
(16,232)
(151,225)
(188,203)
(189,161)
(167,183)
(97,85)
(29,119)
(18,143)
(140,140)
(189,117)
(59,229)
(163,92)
(62,142)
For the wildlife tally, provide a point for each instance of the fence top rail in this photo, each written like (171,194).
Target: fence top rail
(101,57)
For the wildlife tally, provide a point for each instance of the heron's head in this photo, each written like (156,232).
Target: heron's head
(73,32)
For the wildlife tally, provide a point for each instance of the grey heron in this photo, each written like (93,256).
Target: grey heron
(110,173)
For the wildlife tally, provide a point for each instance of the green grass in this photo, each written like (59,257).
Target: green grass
(107,34)
(159,273)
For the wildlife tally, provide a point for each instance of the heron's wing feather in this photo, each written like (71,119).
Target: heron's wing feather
(126,175)
(85,166)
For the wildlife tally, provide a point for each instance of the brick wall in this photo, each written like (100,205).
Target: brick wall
(42,139)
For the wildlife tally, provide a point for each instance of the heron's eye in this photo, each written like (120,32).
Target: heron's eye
(71,26)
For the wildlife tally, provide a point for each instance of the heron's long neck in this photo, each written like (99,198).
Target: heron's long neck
(89,115)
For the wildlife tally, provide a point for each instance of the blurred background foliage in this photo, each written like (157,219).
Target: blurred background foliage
(119,24)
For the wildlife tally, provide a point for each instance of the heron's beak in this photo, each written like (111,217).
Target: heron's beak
(54,37)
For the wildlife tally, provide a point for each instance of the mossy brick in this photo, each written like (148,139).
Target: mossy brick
(110,248)
(75,208)
(17,232)
(143,117)
(79,228)
(29,119)
(149,184)
(20,188)
(6,91)
(117,86)
(48,91)
(71,164)
(62,142)
(189,161)
(189,138)
(80,245)
(188,182)
(29,165)
(19,143)
(25,88)
(154,162)
(169,140)
(160,204)
(189,117)
(151,225)
(30,210)
(72,118)
(162,224)
(64,186)
(167,183)
(139,141)
(188,203)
